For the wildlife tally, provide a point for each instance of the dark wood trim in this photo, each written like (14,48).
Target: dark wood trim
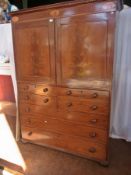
(63,4)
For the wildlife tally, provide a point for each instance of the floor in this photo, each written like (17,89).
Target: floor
(44,161)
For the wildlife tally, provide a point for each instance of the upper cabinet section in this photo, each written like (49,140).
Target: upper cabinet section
(84,49)
(68,44)
(34,51)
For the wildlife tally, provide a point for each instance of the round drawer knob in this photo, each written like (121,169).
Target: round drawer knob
(45,90)
(92,134)
(93,121)
(94,107)
(95,95)
(46,100)
(92,150)
(29,121)
(30,133)
(27,109)
(69,104)
(26,88)
(69,92)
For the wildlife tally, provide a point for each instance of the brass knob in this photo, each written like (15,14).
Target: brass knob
(30,133)
(92,150)
(95,95)
(92,134)
(26,88)
(27,109)
(46,100)
(26,97)
(69,92)
(29,121)
(69,104)
(94,107)
(93,121)
(45,90)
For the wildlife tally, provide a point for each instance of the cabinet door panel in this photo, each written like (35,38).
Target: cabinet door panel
(82,48)
(34,51)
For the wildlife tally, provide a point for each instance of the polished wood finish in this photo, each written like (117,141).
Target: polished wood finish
(64,62)
(83,105)
(44,123)
(76,47)
(40,89)
(88,119)
(72,144)
(37,33)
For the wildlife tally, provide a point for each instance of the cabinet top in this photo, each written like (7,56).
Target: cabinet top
(118,5)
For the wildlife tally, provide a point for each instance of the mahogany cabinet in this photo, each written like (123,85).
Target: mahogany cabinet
(64,62)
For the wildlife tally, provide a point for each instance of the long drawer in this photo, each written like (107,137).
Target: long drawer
(79,104)
(89,94)
(67,143)
(44,123)
(88,119)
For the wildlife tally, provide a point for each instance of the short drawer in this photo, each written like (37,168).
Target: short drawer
(45,123)
(88,119)
(40,89)
(37,99)
(78,104)
(71,144)
(26,108)
(89,94)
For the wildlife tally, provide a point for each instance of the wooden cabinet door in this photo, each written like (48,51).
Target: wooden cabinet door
(34,50)
(85,50)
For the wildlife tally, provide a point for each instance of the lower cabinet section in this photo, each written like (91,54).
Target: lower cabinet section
(43,123)
(71,144)
(72,120)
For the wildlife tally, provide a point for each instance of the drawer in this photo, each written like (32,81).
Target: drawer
(90,94)
(45,123)
(37,109)
(88,119)
(37,99)
(78,104)
(40,89)
(71,144)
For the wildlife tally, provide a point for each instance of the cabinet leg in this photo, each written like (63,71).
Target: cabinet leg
(104,163)
(24,141)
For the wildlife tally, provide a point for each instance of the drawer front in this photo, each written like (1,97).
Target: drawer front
(63,142)
(78,104)
(37,99)
(25,108)
(88,119)
(40,89)
(89,94)
(44,123)
(93,120)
